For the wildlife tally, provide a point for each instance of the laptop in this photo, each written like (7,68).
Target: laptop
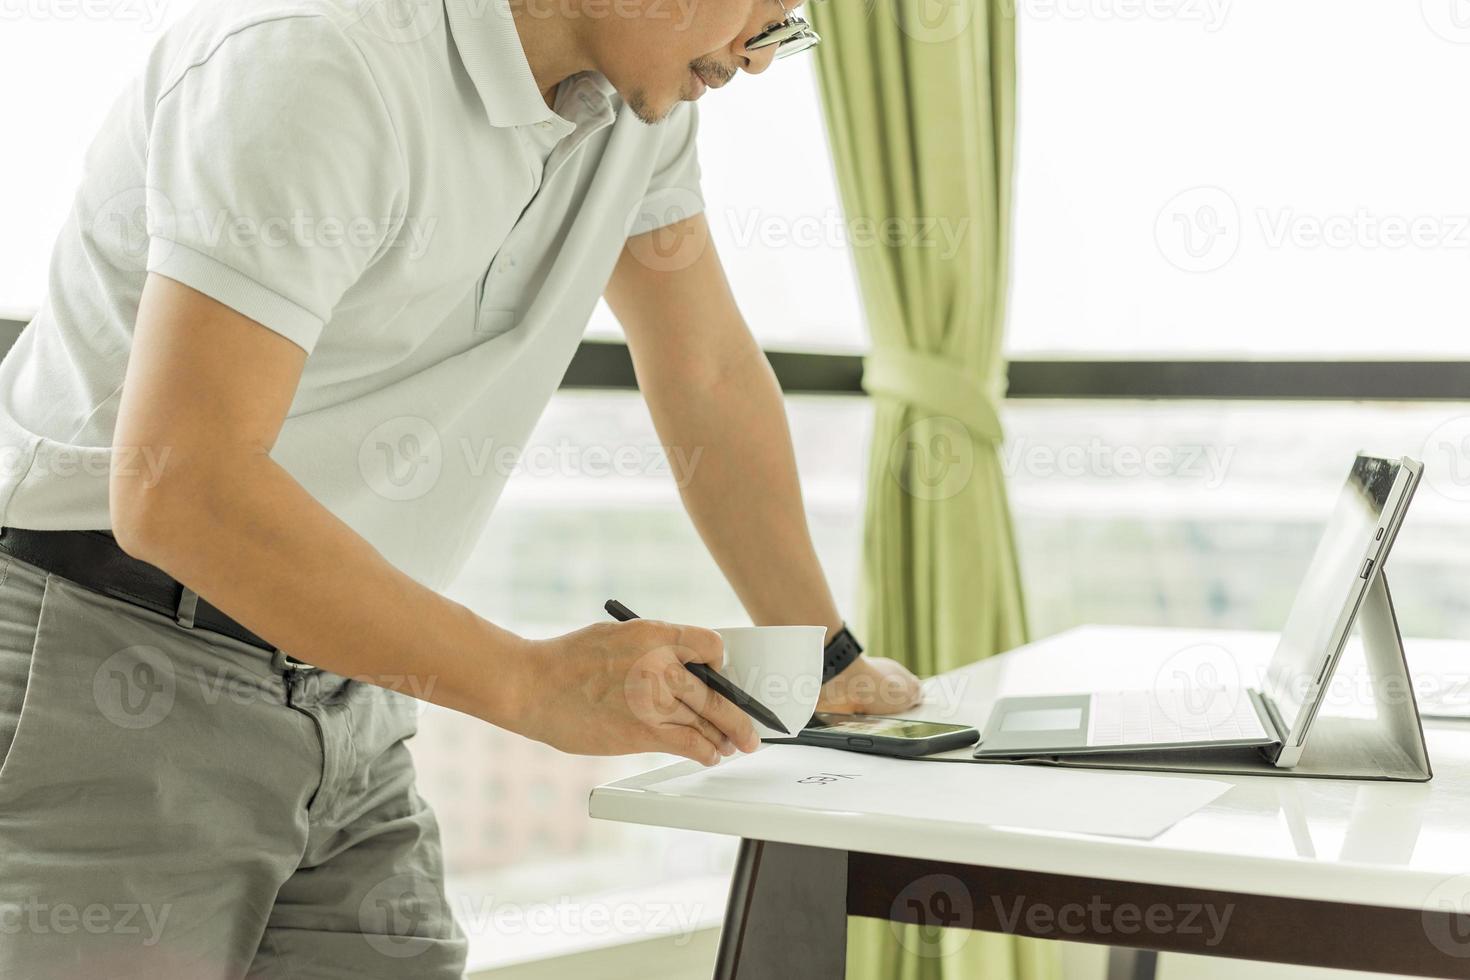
(1275,719)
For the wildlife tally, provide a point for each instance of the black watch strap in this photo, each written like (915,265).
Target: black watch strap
(840,653)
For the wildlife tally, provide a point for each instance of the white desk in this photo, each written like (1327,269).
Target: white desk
(1315,871)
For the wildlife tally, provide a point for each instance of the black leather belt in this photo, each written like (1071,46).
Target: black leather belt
(94,560)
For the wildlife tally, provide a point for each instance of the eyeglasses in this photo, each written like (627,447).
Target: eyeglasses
(791,36)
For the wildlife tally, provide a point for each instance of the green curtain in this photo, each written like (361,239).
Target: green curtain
(919,97)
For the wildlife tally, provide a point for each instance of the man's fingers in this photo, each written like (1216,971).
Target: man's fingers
(688,742)
(676,690)
(686,716)
(708,704)
(694,644)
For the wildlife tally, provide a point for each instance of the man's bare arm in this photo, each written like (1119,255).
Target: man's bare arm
(712,393)
(206,393)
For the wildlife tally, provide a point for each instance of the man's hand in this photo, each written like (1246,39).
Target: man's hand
(616,688)
(871,686)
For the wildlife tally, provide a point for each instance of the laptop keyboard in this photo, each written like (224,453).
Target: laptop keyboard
(1173,715)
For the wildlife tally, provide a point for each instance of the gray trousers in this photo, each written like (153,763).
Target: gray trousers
(172,807)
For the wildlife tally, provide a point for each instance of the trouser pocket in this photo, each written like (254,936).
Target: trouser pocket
(22,594)
(153,800)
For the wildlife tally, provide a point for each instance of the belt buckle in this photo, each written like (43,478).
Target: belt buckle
(285,663)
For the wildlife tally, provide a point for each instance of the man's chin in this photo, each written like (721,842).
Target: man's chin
(649,111)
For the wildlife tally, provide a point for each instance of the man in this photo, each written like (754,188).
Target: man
(322,255)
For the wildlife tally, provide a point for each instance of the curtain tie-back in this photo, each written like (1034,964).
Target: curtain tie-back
(929,382)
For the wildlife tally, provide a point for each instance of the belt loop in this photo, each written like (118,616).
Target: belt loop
(284,663)
(188,602)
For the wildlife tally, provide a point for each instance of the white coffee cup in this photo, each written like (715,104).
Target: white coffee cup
(779,666)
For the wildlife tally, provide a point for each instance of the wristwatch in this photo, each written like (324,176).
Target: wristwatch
(840,653)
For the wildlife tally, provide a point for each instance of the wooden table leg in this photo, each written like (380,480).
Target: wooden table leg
(787,914)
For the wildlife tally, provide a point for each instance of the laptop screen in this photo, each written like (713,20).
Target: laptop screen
(1330,588)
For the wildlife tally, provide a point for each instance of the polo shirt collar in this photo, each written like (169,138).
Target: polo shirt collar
(603,85)
(484,31)
(485,35)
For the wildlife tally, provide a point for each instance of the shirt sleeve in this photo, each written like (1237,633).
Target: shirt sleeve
(274,174)
(673,190)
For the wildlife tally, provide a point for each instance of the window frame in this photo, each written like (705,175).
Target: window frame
(607,365)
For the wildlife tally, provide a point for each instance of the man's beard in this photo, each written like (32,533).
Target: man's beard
(638,102)
(712,70)
(705,67)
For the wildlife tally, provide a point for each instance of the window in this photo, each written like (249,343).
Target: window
(1206,513)
(772,205)
(1197,180)
(1207,177)
(61,65)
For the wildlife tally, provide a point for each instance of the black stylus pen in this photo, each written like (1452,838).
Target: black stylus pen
(714,681)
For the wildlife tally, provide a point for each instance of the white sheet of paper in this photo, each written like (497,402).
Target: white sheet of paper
(1117,804)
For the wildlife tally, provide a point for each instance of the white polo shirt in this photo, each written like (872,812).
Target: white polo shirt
(392,195)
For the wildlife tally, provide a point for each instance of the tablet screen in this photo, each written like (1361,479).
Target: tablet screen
(1331,588)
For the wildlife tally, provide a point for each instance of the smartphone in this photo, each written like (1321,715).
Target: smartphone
(903,737)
